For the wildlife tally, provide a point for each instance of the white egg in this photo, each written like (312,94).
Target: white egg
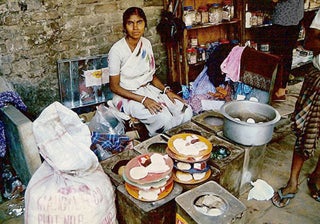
(250,120)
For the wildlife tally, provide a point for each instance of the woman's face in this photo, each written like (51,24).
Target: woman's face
(135,26)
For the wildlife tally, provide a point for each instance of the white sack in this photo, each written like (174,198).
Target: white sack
(70,186)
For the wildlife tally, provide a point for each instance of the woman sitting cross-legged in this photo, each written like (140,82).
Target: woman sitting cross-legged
(138,91)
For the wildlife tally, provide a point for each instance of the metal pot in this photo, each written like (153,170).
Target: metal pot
(239,126)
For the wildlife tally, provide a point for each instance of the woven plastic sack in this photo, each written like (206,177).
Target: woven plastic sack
(70,186)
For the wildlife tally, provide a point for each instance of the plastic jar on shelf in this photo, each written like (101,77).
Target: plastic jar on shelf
(215,13)
(204,14)
(193,41)
(188,16)
(198,19)
(192,55)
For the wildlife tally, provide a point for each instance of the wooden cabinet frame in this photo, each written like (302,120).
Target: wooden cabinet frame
(179,69)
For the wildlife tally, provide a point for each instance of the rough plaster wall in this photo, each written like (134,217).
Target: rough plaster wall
(34,34)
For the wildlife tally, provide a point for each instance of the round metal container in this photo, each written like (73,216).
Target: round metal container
(236,128)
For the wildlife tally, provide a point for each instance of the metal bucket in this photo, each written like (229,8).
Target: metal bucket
(238,118)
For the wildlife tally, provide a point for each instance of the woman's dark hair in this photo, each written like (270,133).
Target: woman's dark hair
(133,11)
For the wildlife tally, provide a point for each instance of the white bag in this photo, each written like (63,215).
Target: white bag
(70,186)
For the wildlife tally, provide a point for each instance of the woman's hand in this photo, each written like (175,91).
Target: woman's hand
(153,106)
(173,96)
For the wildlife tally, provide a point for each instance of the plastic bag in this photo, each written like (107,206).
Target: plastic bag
(201,84)
(106,120)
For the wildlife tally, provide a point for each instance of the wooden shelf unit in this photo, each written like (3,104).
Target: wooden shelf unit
(261,33)
(179,69)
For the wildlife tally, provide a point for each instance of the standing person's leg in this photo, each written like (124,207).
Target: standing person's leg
(292,33)
(278,38)
(282,197)
(284,40)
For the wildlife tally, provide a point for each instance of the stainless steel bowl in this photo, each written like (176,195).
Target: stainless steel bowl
(236,128)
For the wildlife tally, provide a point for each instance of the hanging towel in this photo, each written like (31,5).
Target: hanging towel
(231,65)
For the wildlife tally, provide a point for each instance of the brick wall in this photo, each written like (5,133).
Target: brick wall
(34,34)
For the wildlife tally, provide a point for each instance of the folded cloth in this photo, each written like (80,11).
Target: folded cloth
(110,142)
(5,98)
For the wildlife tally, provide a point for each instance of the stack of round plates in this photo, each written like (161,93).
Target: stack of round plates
(190,153)
(148,177)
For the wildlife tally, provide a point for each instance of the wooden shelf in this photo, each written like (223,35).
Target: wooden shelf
(259,26)
(179,69)
(233,21)
(312,9)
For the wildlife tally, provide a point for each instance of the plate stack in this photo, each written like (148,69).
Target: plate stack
(148,177)
(190,153)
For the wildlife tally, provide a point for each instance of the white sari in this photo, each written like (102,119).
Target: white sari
(136,71)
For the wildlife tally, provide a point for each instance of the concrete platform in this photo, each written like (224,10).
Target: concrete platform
(276,169)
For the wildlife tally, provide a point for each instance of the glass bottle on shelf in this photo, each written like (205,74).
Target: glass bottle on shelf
(259,18)
(247,17)
(254,19)
(227,10)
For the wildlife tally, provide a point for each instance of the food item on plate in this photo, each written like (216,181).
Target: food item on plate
(184,176)
(150,195)
(200,166)
(157,164)
(160,183)
(145,161)
(183,166)
(138,172)
(191,145)
(199,176)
